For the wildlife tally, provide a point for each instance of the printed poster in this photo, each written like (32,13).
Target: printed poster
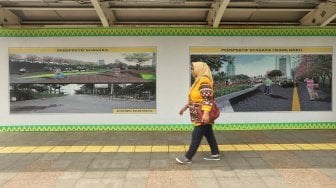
(259,79)
(82,80)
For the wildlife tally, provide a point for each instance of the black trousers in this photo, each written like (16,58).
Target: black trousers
(197,135)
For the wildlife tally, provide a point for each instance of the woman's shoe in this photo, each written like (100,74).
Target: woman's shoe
(183,160)
(212,158)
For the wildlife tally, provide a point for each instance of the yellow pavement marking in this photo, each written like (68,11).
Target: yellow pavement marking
(93,149)
(160,148)
(110,149)
(296,100)
(226,148)
(165,148)
(126,149)
(242,147)
(143,149)
(308,147)
(258,147)
(59,149)
(75,149)
(323,146)
(176,148)
(25,149)
(291,147)
(200,149)
(333,145)
(9,149)
(205,148)
(186,147)
(42,149)
(275,147)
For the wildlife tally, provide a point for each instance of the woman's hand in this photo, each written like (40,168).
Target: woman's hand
(184,108)
(205,117)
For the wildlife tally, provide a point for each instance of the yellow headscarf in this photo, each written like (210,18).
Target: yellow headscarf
(201,69)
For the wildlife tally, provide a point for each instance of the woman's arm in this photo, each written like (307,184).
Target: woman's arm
(184,108)
(205,117)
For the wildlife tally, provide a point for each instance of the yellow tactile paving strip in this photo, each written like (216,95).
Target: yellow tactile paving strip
(164,148)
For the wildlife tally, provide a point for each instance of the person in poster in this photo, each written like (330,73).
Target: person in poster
(268,82)
(200,93)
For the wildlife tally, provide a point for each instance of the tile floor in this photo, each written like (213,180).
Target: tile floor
(272,158)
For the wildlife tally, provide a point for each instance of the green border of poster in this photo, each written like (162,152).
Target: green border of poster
(167,31)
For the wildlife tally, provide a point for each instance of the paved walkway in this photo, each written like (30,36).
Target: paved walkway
(281,99)
(277,158)
(78,104)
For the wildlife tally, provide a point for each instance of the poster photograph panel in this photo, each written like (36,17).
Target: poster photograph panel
(255,79)
(82,80)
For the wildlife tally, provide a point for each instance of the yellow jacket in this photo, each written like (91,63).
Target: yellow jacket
(200,94)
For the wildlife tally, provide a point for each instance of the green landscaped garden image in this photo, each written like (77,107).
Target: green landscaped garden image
(76,73)
(148,76)
(72,80)
(51,75)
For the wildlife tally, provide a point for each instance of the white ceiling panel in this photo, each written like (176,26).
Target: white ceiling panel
(37,15)
(160,15)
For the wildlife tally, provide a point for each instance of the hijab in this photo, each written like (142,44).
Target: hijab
(201,69)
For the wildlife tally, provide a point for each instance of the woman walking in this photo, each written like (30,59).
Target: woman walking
(200,93)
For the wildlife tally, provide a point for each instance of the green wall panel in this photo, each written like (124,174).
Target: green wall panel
(162,31)
(168,127)
(171,31)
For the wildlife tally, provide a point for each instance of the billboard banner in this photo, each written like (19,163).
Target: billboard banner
(259,79)
(82,80)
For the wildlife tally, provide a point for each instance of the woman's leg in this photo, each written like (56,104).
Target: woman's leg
(196,139)
(316,96)
(310,92)
(209,135)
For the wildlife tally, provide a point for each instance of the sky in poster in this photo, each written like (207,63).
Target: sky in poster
(252,65)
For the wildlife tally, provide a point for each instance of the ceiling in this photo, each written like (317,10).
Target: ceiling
(168,13)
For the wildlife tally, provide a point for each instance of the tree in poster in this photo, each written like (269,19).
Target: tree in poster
(138,58)
(317,67)
(47,59)
(213,61)
(311,65)
(304,69)
(228,58)
(322,68)
(31,58)
(220,76)
(274,73)
(13,57)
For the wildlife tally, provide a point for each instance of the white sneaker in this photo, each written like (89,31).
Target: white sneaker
(212,158)
(183,160)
